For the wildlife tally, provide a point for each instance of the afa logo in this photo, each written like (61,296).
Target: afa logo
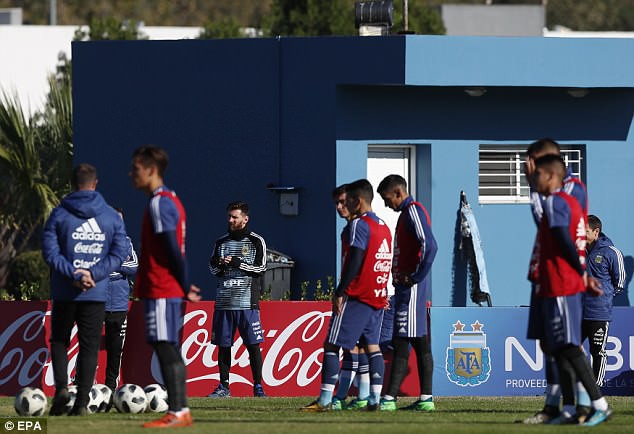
(468,359)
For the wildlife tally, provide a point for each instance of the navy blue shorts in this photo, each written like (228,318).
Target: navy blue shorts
(247,322)
(557,321)
(358,322)
(410,311)
(387,327)
(163,319)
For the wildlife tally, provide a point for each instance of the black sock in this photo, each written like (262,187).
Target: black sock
(174,374)
(566,378)
(399,365)
(255,358)
(224,363)
(582,369)
(425,361)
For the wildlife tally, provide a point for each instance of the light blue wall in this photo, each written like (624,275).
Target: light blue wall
(507,61)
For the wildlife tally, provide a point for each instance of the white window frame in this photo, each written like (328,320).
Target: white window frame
(501,167)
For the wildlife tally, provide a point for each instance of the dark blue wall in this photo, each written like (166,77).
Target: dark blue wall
(216,107)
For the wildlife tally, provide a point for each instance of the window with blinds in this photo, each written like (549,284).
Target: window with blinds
(501,171)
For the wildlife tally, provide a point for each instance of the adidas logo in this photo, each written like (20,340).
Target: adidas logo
(89,231)
(384,251)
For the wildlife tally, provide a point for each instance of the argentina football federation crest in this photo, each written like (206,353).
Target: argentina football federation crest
(468,360)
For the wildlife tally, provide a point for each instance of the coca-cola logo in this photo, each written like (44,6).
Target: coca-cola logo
(16,359)
(383,266)
(284,361)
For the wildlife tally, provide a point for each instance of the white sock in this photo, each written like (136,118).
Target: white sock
(425,397)
(600,404)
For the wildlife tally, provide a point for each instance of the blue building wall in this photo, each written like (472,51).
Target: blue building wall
(240,115)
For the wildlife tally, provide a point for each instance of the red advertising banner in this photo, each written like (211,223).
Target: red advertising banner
(291,352)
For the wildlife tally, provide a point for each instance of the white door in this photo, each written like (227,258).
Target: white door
(390,160)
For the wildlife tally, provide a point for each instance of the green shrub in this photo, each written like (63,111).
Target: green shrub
(29,277)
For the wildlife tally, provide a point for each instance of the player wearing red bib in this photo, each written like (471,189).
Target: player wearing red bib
(162,278)
(559,254)
(360,297)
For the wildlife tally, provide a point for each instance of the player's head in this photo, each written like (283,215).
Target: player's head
(542,147)
(339,198)
(550,171)
(237,215)
(393,191)
(148,167)
(593,228)
(359,197)
(84,177)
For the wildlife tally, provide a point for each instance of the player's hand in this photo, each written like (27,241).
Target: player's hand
(86,281)
(336,305)
(593,286)
(193,294)
(403,279)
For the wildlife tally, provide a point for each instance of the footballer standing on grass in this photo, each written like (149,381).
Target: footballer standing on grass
(162,278)
(360,297)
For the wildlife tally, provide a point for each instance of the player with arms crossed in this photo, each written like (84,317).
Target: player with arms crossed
(162,278)
(558,271)
(360,297)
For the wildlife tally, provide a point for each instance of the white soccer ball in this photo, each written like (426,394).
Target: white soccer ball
(95,399)
(130,398)
(156,398)
(106,403)
(30,401)
(72,391)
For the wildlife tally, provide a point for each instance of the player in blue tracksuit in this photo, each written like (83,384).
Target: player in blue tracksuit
(605,263)
(115,322)
(84,240)
(575,188)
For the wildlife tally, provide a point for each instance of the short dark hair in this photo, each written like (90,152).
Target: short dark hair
(83,175)
(150,155)
(552,162)
(390,182)
(360,188)
(242,206)
(119,210)
(543,145)
(338,191)
(594,222)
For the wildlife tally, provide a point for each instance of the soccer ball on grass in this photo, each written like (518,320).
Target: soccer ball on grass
(30,401)
(95,399)
(130,398)
(156,398)
(106,403)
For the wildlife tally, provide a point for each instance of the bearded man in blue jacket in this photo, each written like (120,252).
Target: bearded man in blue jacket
(84,240)
(605,263)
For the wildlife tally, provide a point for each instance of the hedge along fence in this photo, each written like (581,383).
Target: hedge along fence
(29,278)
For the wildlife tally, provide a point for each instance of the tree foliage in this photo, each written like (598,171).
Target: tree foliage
(224,28)
(311,18)
(110,28)
(423,19)
(26,197)
(597,15)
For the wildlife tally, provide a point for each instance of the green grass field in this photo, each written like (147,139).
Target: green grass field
(280,415)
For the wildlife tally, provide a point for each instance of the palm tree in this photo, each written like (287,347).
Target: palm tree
(26,199)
